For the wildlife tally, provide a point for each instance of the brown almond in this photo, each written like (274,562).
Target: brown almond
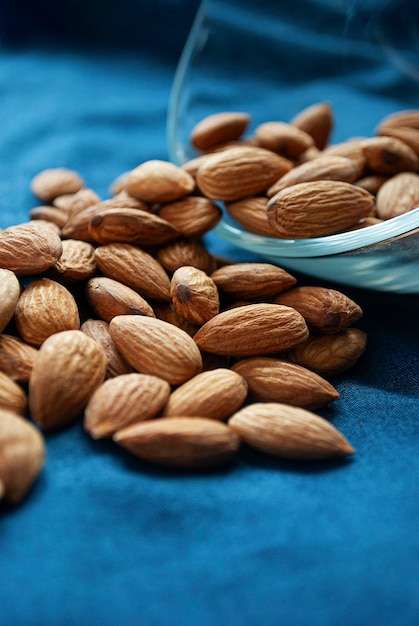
(77,226)
(67,370)
(252,330)
(16,358)
(290,432)
(194,295)
(371,183)
(324,310)
(351,149)
(251,214)
(330,355)
(12,396)
(76,263)
(22,456)
(389,155)
(158,181)
(45,307)
(183,442)
(404,118)
(53,182)
(79,201)
(9,296)
(317,120)
(27,249)
(166,311)
(219,128)
(282,138)
(122,401)
(398,195)
(192,216)
(185,252)
(108,298)
(99,331)
(318,208)
(409,136)
(135,268)
(252,281)
(275,380)
(325,167)
(130,226)
(49,214)
(240,172)
(152,346)
(214,394)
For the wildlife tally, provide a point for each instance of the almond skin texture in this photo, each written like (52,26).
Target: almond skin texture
(158,181)
(54,182)
(133,226)
(12,396)
(68,368)
(240,172)
(398,195)
(122,401)
(282,138)
(317,208)
(109,298)
(252,330)
(316,120)
(288,432)
(76,262)
(407,118)
(324,310)
(181,442)
(9,295)
(252,281)
(152,346)
(27,249)
(251,214)
(330,355)
(135,268)
(388,155)
(45,307)
(276,380)
(219,128)
(192,216)
(99,331)
(22,456)
(214,394)
(185,252)
(16,358)
(194,295)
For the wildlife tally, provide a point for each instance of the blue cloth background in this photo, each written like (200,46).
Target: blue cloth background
(103,539)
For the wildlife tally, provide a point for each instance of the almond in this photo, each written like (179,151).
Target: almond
(351,149)
(282,138)
(16,358)
(45,307)
(325,167)
(135,268)
(122,401)
(252,330)
(194,295)
(406,118)
(251,214)
(324,310)
(53,182)
(12,396)
(99,331)
(288,432)
(192,216)
(22,455)
(158,181)
(214,394)
(317,120)
(79,201)
(409,136)
(67,370)
(330,355)
(9,296)
(77,226)
(219,128)
(398,195)
(252,281)
(275,380)
(27,249)
(76,263)
(389,155)
(49,214)
(183,442)
(185,252)
(152,346)
(130,226)
(109,298)
(240,172)
(318,208)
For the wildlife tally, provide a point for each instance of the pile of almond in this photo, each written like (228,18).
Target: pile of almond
(114,312)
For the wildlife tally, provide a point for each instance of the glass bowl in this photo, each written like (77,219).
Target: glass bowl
(273,59)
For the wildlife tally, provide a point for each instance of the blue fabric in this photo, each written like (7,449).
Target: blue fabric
(103,539)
